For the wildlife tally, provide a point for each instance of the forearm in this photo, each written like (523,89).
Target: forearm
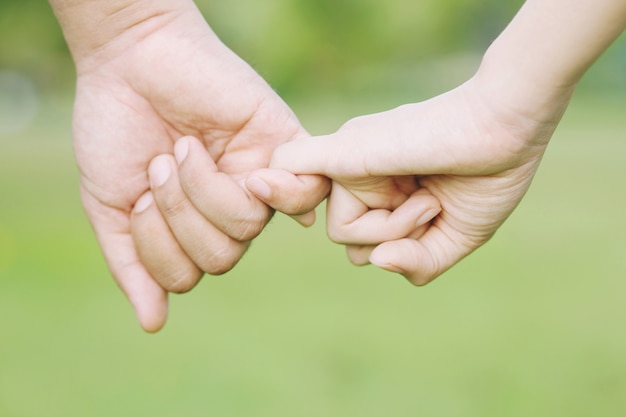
(100,27)
(539,58)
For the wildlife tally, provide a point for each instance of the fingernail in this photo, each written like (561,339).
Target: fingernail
(143,202)
(181,149)
(259,187)
(159,171)
(427,216)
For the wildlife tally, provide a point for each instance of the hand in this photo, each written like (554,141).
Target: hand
(473,152)
(167,78)
(475,148)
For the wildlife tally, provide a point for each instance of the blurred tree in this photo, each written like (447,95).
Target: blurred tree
(31,42)
(303,46)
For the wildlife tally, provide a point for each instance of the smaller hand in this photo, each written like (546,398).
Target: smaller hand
(475,157)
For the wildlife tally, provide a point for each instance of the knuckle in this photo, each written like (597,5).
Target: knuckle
(309,193)
(247,226)
(336,235)
(192,181)
(221,261)
(426,273)
(181,281)
(172,207)
(296,205)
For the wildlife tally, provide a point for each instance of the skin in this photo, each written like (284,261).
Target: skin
(152,73)
(475,148)
(482,172)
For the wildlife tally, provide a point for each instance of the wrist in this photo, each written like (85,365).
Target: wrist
(533,67)
(511,83)
(520,96)
(97,31)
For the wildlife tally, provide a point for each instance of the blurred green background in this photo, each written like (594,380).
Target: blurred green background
(531,324)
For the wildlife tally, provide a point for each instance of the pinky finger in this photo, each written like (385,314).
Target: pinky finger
(295,195)
(147,297)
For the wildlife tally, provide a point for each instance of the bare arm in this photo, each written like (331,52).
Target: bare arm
(95,27)
(535,64)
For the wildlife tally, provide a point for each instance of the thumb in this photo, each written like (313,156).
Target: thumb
(424,259)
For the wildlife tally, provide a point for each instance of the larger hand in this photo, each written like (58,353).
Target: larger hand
(165,77)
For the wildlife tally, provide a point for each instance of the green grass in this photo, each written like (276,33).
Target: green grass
(530,325)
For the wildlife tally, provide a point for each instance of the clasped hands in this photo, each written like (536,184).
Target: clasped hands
(201,211)
(185,151)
